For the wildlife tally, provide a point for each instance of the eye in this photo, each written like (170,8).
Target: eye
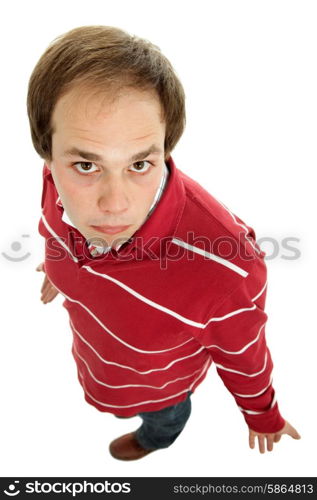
(139,166)
(84,167)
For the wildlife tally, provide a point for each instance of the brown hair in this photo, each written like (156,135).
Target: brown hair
(105,58)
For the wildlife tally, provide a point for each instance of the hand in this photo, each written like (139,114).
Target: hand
(271,438)
(48,291)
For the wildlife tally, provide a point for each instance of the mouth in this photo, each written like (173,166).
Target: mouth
(110,229)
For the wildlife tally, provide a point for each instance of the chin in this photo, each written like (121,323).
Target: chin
(109,240)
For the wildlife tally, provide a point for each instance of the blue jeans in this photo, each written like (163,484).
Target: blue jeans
(159,429)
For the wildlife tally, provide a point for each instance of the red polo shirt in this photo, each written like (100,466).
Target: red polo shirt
(187,290)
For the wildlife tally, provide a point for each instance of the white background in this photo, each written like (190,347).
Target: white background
(249,73)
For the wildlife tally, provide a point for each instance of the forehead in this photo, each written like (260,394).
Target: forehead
(95,122)
(97,106)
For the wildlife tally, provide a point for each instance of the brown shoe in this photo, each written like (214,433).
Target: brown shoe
(126,447)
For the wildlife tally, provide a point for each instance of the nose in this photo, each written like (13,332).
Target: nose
(112,197)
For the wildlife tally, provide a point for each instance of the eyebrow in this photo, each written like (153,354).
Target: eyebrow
(73,151)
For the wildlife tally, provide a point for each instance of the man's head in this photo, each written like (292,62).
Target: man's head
(99,90)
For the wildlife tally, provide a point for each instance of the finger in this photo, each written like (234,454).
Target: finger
(40,267)
(277,437)
(47,294)
(269,442)
(46,289)
(293,432)
(47,298)
(45,282)
(261,444)
(53,293)
(46,285)
(50,291)
(251,440)
(50,295)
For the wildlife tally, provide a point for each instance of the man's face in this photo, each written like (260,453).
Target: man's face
(113,185)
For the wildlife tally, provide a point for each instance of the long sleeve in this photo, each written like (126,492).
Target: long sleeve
(235,337)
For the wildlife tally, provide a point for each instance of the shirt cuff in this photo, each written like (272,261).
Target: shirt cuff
(269,422)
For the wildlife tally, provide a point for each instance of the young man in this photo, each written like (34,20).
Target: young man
(160,279)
